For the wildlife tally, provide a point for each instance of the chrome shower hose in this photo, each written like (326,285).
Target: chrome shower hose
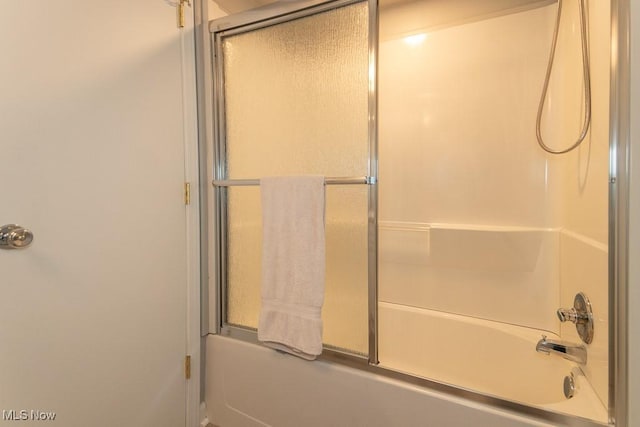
(586,81)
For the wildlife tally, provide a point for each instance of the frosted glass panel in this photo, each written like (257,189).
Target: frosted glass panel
(344,312)
(296,103)
(244,260)
(296,96)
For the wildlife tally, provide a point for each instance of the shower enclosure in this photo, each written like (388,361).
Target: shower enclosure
(452,237)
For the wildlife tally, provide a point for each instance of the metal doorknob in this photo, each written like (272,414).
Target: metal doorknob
(12,236)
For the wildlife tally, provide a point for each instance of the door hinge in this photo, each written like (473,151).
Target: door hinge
(187,193)
(187,366)
(180,11)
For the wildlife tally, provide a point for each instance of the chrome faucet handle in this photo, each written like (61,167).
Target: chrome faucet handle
(568,315)
(581,315)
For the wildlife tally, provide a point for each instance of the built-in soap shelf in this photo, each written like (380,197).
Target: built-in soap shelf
(462,246)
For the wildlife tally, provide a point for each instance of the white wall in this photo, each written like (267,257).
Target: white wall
(231,6)
(215,10)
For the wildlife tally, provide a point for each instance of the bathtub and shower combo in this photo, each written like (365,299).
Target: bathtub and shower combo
(466,146)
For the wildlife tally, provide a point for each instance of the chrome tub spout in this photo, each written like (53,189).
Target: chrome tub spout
(574,352)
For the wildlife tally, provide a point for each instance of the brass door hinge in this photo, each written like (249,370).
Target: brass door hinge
(180,11)
(187,366)
(187,193)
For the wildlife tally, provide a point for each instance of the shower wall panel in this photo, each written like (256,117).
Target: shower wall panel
(459,163)
(475,218)
(584,179)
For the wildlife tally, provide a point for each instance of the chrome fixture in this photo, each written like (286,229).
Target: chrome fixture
(347,180)
(569,386)
(574,352)
(581,314)
(13,236)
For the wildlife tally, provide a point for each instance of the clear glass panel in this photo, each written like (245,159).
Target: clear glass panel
(296,96)
(345,308)
(483,235)
(296,102)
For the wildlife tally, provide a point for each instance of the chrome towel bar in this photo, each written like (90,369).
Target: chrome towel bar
(369,180)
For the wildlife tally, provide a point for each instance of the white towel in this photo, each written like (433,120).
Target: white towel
(293,264)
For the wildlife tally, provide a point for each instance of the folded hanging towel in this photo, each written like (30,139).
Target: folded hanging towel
(293,264)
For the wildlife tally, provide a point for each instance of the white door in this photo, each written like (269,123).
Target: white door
(93,312)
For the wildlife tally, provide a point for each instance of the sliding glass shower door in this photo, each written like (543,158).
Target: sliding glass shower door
(452,278)
(293,99)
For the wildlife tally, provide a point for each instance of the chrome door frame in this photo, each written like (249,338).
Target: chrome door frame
(619,181)
(251,20)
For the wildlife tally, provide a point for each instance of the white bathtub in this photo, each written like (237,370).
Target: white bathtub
(494,358)
(248,385)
